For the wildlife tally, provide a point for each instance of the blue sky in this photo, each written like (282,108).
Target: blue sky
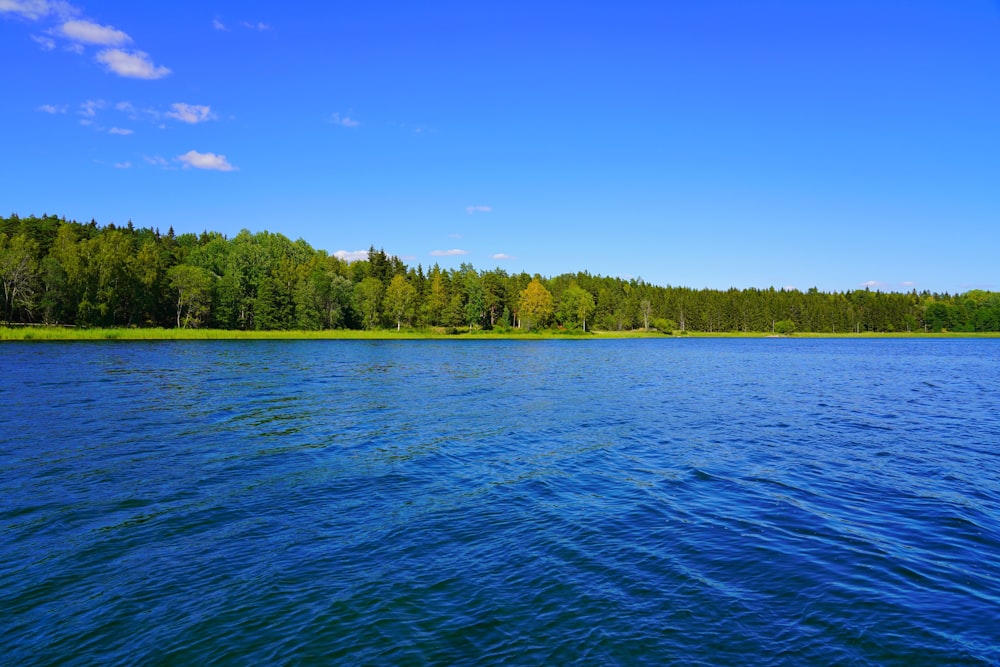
(741,143)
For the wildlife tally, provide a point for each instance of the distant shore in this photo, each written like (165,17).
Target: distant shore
(41,333)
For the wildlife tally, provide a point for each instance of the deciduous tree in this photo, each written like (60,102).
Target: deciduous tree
(400,301)
(192,286)
(18,274)
(535,307)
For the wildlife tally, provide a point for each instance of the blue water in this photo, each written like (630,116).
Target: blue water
(685,501)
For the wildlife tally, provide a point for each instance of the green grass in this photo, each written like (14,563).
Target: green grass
(73,333)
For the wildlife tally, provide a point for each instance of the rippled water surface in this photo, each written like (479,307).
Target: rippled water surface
(697,501)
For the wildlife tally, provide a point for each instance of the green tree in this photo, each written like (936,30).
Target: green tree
(474,296)
(339,302)
(274,307)
(535,306)
(192,286)
(575,306)
(436,302)
(368,297)
(19,274)
(784,327)
(111,255)
(646,309)
(400,301)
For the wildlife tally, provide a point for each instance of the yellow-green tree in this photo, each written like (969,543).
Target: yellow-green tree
(576,305)
(437,299)
(400,300)
(368,297)
(535,306)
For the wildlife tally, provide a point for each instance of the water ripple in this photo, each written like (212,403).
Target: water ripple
(708,502)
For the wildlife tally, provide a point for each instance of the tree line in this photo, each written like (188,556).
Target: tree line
(59,272)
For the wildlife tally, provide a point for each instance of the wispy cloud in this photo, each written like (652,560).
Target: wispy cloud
(91,107)
(205,161)
(89,110)
(877,284)
(131,64)
(478,209)
(351,255)
(190,113)
(343,121)
(47,43)
(34,10)
(258,26)
(454,252)
(89,32)
(501,256)
(123,165)
(120,131)
(156,161)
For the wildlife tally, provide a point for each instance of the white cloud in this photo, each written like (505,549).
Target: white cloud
(190,113)
(156,161)
(134,65)
(47,43)
(502,256)
(907,283)
(343,121)
(36,9)
(80,31)
(454,236)
(91,107)
(53,108)
(478,209)
(120,131)
(123,165)
(259,26)
(448,253)
(93,33)
(219,25)
(873,284)
(351,255)
(206,161)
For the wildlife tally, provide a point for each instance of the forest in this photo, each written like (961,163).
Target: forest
(60,272)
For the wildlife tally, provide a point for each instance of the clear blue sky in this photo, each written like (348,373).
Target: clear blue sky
(740,143)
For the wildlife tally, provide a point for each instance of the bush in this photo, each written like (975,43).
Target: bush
(784,327)
(664,325)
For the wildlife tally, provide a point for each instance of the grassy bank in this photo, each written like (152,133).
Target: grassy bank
(72,333)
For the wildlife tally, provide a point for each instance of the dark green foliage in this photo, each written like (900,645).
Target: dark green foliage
(55,271)
(784,327)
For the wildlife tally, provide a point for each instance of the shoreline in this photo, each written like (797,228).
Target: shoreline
(35,333)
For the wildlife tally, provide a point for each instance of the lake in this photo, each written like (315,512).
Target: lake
(593,502)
